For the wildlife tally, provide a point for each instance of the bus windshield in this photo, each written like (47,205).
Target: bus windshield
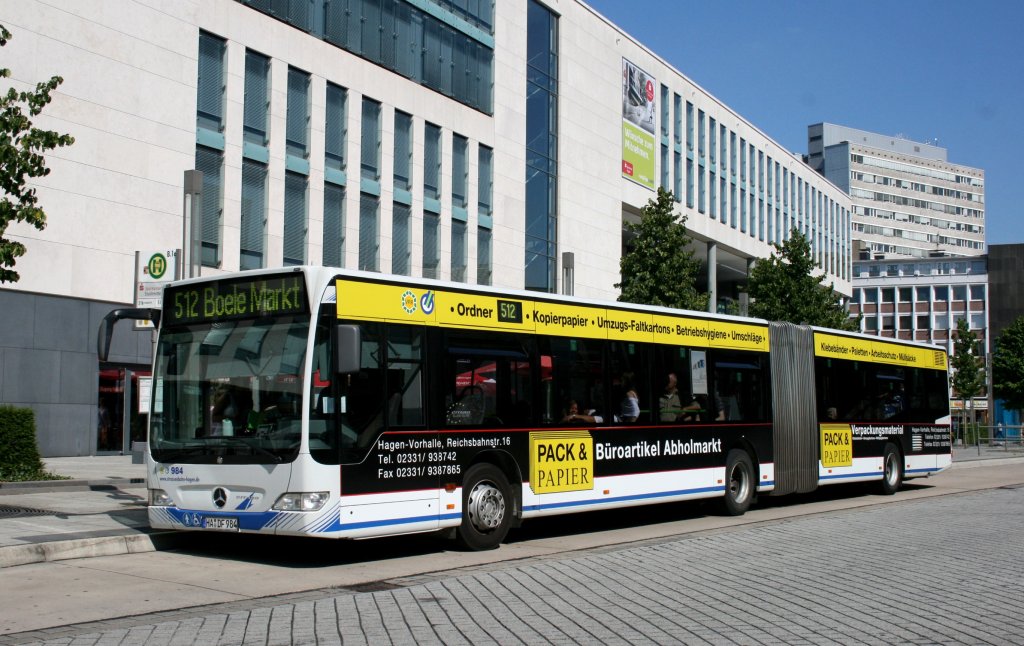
(230,391)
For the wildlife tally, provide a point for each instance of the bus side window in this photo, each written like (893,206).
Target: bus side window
(405,376)
(576,375)
(488,380)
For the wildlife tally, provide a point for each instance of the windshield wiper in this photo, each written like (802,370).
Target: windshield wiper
(175,453)
(256,450)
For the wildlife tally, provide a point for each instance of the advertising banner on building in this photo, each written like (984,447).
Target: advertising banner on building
(638,110)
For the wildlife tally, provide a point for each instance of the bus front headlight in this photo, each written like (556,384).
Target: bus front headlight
(301,501)
(159,498)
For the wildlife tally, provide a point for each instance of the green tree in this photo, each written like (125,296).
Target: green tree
(968,376)
(784,287)
(1008,366)
(659,267)
(21,158)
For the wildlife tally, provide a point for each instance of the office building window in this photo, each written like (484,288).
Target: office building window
(700,133)
(211,83)
(369,247)
(664,167)
(664,112)
(689,127)
(432,162)
(335,130)
(254,214)
(677,169)
(459,251)
(370,148)
(210,162)
(431,244)
(689,184)
(677,113)
(403,151)
(334,225)
(712,142)
(485,179)
(257,98)
(297,119)
(483,256)
(210,93)
(541,148)
(446,45)
(295,218)
(460,174)
(401,240)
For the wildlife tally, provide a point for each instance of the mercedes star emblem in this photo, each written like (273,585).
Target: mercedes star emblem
(220,497)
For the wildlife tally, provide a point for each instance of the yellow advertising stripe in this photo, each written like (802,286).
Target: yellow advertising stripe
(843,347)
(726,334)
(370,301)
(559,319)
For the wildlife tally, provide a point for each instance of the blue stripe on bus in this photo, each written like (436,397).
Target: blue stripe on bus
(640,496)
(873,474)
(338,526)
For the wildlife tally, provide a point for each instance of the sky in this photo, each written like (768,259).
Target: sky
(945,72)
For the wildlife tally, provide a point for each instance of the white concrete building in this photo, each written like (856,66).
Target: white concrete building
(909,201)
(471,141)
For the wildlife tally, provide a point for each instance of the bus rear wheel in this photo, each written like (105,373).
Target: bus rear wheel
(486,508)
(739,482)
(892,470)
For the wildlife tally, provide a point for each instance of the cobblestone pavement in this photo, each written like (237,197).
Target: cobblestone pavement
(933,571)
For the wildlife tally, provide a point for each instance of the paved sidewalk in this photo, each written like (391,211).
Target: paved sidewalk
(101,511)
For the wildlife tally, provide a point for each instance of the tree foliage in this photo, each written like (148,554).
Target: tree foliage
(785,287)
(21,158)
(968,372)
(659,268)
(1008,366)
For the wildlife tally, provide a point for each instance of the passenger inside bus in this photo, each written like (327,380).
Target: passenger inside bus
(669,406)
(630,404)
(575,415)
(230,410)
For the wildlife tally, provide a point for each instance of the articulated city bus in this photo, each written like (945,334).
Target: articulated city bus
(322,402)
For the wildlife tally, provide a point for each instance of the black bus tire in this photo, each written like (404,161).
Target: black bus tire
(739,482)
(892,470)
(486,508)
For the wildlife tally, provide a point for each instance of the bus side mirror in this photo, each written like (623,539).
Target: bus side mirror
(347,345)
(106,331)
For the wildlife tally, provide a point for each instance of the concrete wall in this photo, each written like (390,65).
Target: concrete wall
(48,363)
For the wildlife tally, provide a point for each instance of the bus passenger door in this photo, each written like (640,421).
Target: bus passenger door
(386,483)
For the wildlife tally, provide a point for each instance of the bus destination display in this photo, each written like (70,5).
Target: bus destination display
(235,299)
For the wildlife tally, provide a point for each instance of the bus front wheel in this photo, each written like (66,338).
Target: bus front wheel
(739,482)
(486,508)
(892,470)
